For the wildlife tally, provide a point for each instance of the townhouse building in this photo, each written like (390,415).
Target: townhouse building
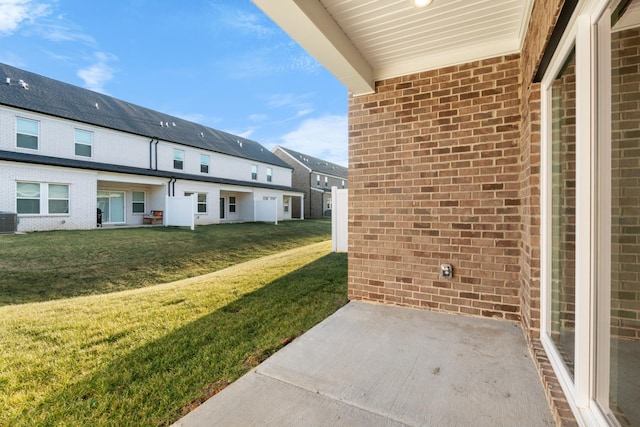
(67,153)
(314,177)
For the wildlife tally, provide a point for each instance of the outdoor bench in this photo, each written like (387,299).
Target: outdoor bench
(154,217)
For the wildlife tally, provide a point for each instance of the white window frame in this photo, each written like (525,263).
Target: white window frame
(254,172)
(326,181)
(232,205)
(201,203)
(135,202)
(82,143)
(178,159)
(269,174)
(44,199)
(592,282)
(36,135)
(39,198)
(49,199)
(205,160)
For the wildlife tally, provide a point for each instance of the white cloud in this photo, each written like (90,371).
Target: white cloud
(14,13)
(323,137)
(64,32)
(98,74)
(258,117)
(252,23)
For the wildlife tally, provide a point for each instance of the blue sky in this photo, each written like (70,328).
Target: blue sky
(221,63)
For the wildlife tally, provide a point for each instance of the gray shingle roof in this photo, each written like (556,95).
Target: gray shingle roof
(55,98)
(317,165)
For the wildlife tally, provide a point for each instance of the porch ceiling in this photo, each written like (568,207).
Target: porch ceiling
(363,42)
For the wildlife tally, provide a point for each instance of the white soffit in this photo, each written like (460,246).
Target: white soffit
(361,42)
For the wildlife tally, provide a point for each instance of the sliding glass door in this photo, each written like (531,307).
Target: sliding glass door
(590,192)
(112,204)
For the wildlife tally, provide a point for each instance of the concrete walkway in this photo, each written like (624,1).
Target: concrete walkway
(376,365)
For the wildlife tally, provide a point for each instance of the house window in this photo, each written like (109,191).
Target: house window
(138,202)
(201,200)
(27,133)
(329,203)
(31,195)
(343,183)
(254,172)
(58,199)
(204,163)
(232,204)
(317,179)
(28,198)
(178,159)
(285,204)
(84,142)
(326,181)
(269,174)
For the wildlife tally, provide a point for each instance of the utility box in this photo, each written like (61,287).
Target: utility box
(8,222)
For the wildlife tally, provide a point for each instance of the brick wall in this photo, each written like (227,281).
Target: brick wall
(434,178)
(445,168)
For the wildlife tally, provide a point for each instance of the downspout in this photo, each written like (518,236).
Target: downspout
(157,142)
(310,194)
(173,190)
(169,187)
(151,154)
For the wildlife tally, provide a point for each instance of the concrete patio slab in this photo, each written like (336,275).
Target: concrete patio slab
(376,365)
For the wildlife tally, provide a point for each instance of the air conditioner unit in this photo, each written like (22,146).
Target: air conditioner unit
(8,222)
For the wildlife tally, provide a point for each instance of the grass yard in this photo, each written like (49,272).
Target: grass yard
(147,356)
(61,264)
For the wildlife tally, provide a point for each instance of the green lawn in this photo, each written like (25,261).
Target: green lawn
(61,264)
(147,356)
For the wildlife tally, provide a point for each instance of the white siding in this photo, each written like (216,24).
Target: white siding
(57,139)
(82,196)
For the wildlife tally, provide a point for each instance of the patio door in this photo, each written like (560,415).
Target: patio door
(590,188)
(222,208)
(112,204)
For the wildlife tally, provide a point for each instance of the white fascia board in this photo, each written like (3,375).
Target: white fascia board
(309,24)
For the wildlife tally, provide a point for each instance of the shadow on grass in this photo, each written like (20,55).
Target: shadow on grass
(161,381)
(45,266)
